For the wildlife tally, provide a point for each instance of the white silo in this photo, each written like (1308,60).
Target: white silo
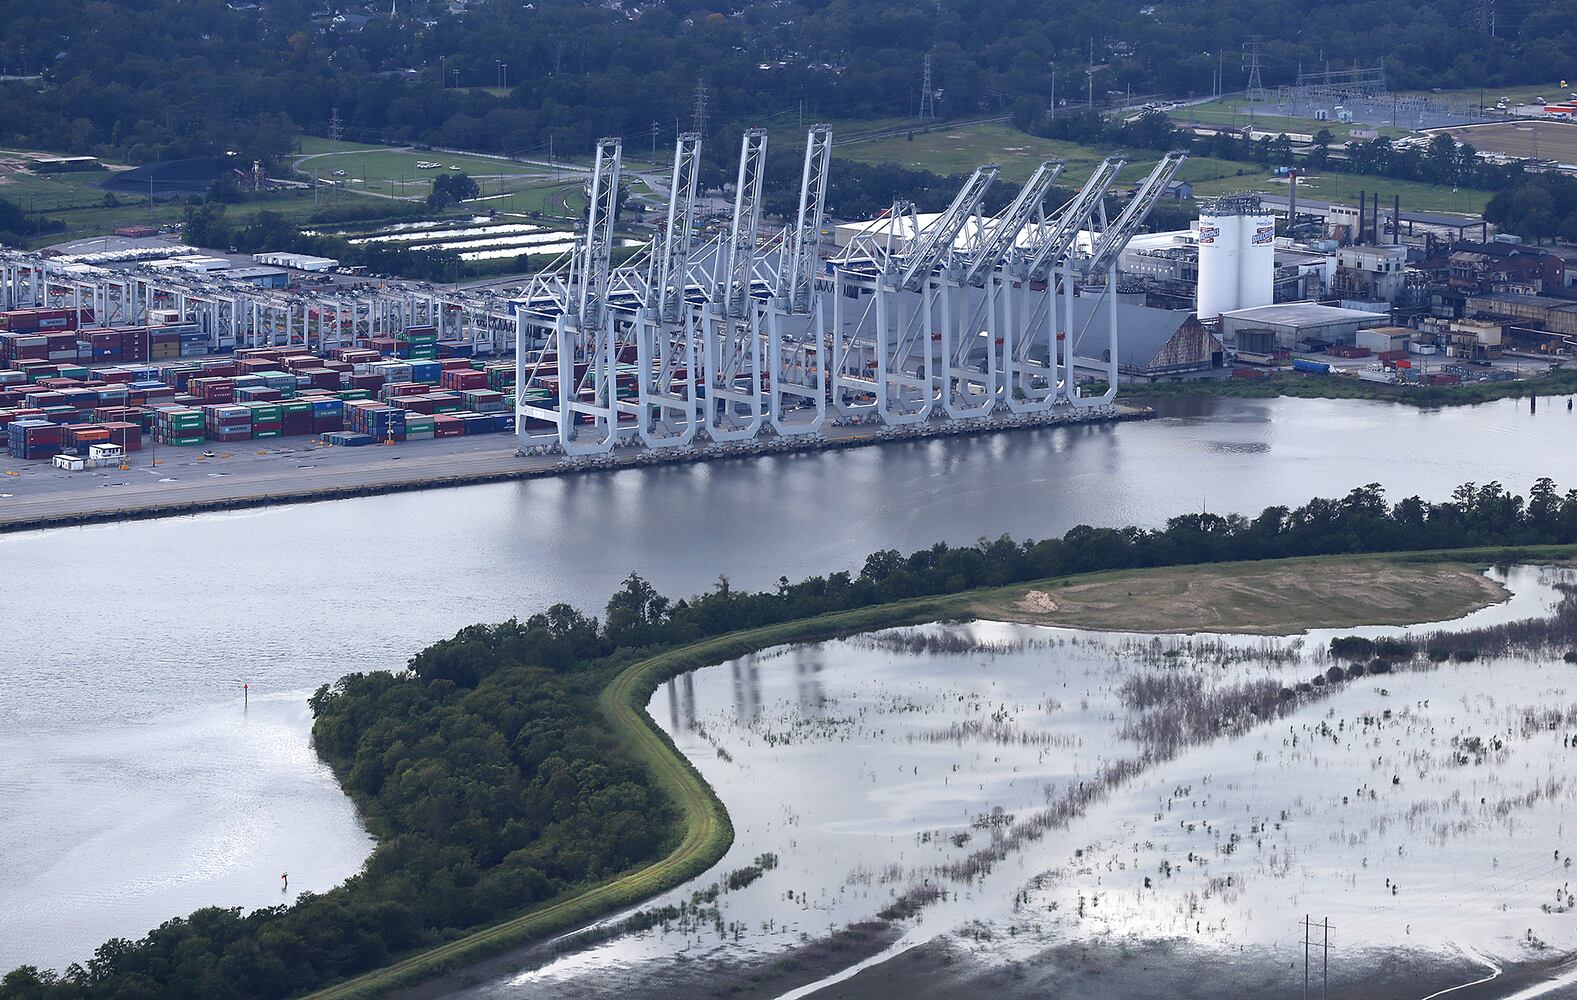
(1237,255)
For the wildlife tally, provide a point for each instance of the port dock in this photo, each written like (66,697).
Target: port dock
(185,481)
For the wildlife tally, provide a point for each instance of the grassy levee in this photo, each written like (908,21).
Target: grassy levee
(707,832)
(1556,383)
(706,829)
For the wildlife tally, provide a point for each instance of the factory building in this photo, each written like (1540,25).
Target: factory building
(1371,273)
(1296,325)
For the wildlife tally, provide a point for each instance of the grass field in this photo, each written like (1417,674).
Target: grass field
(1550,140)
(1234,111)
(1263,598)
(508,185)
(1416,196)
(1523,94)
(958,151)
(76,200)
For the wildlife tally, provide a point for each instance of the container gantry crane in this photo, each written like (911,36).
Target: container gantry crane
(894,332)
(971,303)
(1101,262)
(731,320)
(1032,364)
(796,372)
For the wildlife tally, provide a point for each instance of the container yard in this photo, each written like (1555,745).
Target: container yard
(61,393)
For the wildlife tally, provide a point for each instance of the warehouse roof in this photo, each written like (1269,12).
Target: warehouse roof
(248,273)
(1299,314)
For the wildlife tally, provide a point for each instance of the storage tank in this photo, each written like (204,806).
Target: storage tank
(1237,255)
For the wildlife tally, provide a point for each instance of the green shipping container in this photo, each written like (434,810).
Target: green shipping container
(265,434)
(185,441)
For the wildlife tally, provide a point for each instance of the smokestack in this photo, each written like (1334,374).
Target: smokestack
(1363,208)
(1396,220)
(1292,200)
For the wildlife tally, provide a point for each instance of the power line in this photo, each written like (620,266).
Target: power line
(927,94)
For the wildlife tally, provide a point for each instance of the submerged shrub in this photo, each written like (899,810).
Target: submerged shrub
(1352,647)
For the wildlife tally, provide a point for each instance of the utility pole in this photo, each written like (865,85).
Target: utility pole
(927,94)
(1325,961)
(1325,955)
(655,127)
(1089,78)
(1305,956)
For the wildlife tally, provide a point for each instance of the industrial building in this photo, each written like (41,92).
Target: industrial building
(263,277)
(1296,325)
(297,261)
(197,262)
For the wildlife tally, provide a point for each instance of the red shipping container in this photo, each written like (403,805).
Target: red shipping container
(463,378)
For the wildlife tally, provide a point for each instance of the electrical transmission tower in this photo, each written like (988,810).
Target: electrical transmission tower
(1486,17)
(927,92)
(336,130)
(1256,86)
(698,119)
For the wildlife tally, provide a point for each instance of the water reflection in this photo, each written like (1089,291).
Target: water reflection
(920,761)
(491,552)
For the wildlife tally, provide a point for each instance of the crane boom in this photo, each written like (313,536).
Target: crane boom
(740,262)
(937,240)
(797,279)
(597,250)
(673,266)
(1057,236)
(1139,207)
(1002,233)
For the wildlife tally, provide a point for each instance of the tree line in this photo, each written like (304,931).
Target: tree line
(492,783)
(165,79)
(1540,206)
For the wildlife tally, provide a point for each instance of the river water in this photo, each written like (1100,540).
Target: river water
(126,646)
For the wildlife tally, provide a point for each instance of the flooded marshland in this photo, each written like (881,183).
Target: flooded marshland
(1042,811)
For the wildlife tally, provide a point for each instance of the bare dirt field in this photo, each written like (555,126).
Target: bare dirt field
(1264,599)
(1550,140)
